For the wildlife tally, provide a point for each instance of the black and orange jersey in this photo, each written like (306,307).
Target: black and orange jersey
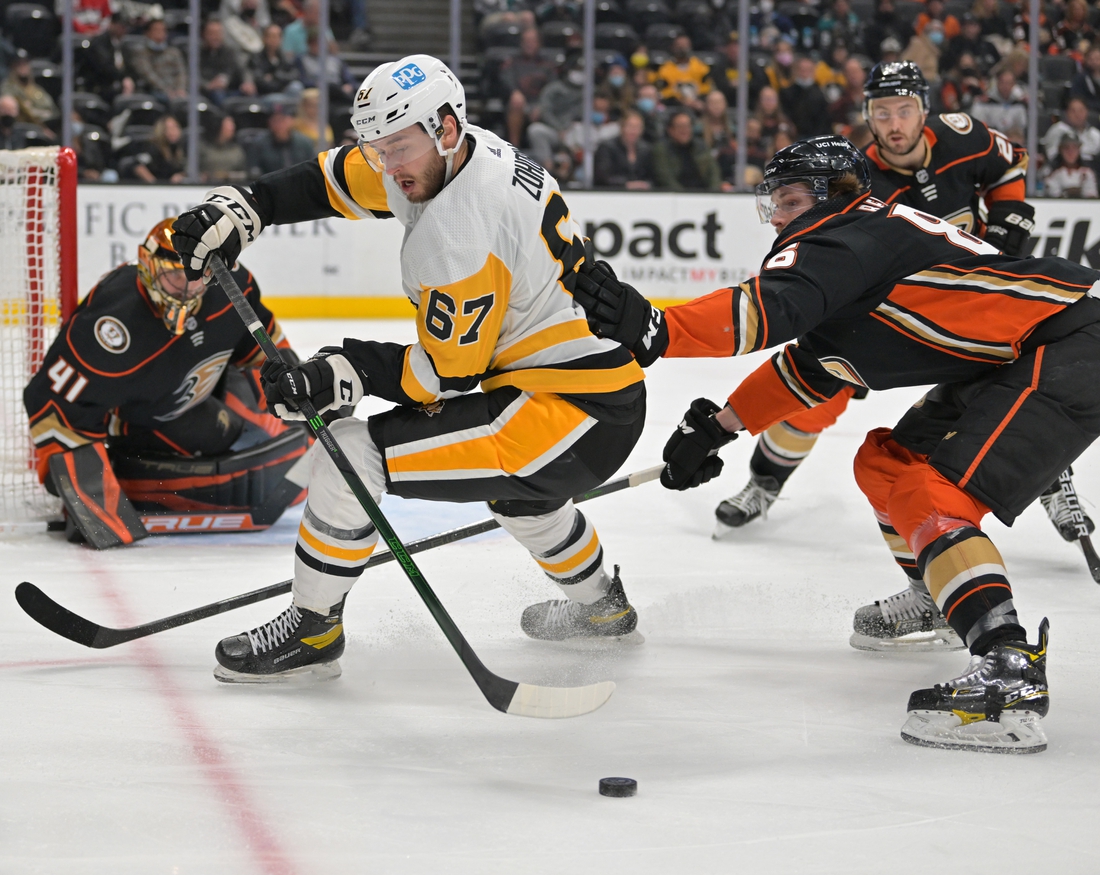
(489,263)
(114,364)
(965,161)
(879,296)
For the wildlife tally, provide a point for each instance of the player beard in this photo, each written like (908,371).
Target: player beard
(884,144)
(431,183)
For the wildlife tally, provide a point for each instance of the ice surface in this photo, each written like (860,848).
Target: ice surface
(760,740)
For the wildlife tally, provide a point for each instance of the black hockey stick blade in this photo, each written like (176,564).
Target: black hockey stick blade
(1091,559)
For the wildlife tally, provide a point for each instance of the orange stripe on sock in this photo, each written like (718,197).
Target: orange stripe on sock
(947,616)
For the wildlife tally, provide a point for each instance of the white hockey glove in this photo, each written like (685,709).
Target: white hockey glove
(328,380)
(227,222)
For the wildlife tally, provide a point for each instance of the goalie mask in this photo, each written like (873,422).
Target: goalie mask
(397,112)
(161,272)
(814,162)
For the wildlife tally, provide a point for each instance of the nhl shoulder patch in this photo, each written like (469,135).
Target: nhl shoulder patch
(112,335)
(958,121)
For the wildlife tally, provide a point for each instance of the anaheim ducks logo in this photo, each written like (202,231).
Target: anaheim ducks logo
(197,385)
(112,334)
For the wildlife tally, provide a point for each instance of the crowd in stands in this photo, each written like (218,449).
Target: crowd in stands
(666,91)
(664,113)
(259,74)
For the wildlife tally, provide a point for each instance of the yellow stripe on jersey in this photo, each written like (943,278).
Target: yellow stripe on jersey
(528,430)
(574,561)
(574,329)
(458,325)
(365,190)
(576,381)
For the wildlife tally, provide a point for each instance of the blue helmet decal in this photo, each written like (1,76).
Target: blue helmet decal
(408,76)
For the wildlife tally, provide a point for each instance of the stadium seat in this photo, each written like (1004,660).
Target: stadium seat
(556,34)
(144,108)
(33,27)
(659,36)
(92,108)
(617,37)
(1053,95)
(247,112)
(48,75)
(643,13)
(1056,68)
(503,34)
(609,11)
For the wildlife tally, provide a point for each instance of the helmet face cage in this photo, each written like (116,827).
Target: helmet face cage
(407,92)
(895,79)
(161,272)
(815,162)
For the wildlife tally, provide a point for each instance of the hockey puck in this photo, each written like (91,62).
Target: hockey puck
(618,787)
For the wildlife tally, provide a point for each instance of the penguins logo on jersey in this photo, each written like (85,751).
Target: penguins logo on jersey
(197,385)
(112,334)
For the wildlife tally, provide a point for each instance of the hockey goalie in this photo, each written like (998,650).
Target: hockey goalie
(145,413)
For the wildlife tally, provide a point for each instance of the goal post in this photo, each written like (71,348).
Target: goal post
(38,289)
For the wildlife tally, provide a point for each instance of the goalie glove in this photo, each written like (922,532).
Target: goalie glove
(328,380)
(620,312)
(1009,226)
(226,222)
(691,454)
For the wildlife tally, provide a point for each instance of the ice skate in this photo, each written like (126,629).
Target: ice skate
(751,502)
(296,645)
(908,622)
(994,707)
(612,618)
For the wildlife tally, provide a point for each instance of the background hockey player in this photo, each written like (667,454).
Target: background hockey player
(884,296)
(943,166)
(147,400)
(489,260)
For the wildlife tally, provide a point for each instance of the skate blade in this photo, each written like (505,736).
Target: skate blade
(631,639)
(304,676)
(722,531)
(915,642)
(1017,732)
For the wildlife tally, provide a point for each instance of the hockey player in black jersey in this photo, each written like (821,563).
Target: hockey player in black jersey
(884,296)
(146,403)
(944,166)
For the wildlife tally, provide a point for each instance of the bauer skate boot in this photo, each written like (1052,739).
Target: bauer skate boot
(612,617)
(751,502)
(297,644)
(995,706)
(908,622)
(1064,509)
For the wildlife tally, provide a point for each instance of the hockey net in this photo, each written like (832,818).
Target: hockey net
(37,290)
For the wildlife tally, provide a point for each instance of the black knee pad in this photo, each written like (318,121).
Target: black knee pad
(519,507)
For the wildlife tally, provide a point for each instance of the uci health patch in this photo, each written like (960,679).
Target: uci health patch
(408,76)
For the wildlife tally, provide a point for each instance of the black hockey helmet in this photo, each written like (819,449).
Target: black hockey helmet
(815,161)
(895,79)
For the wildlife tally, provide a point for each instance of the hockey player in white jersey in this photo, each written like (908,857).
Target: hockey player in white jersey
(489,258)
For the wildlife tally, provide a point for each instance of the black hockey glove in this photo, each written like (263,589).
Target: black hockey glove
(691,454)
(328,380)
(620,312)
(1009,226)
(226,222)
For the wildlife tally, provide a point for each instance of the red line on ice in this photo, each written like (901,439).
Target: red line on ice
(228,787)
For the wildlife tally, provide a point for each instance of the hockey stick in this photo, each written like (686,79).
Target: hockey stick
(508,696)
(1084,540)
(61,621)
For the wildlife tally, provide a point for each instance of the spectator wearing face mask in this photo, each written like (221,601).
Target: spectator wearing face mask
(780,69)
(652,111)
(961,85)
(522,78)
(157,67)
(925,48)
(10,138)
(561,103)
(35,104)
(725,75)
(970,42)
(604,127)
(934,11)
(683,78)
(245,21)
(886,24)
(617,88)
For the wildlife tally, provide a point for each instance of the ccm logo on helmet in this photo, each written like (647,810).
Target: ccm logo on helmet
(408,76)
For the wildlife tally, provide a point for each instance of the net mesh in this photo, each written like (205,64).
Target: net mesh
(30,294)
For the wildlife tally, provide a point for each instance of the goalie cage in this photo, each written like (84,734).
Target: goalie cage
(37,291)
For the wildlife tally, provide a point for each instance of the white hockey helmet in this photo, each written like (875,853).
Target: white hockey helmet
(408,92)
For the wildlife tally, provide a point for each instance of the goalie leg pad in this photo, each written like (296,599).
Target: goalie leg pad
(253,480)
(94,499)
